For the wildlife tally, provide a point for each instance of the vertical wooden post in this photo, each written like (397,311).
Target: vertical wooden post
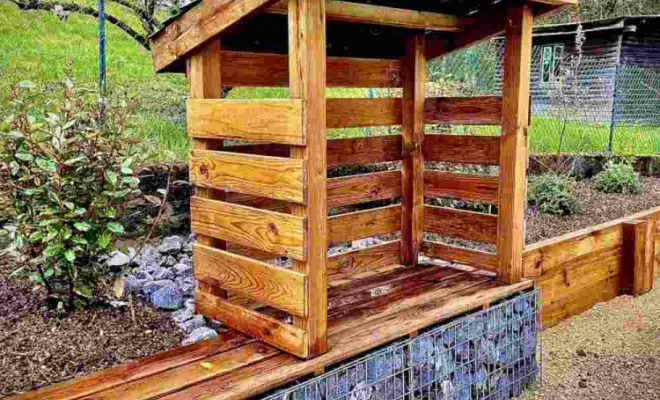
(205,83)
(638,253)
(412,132)
(513,147)
(307,82)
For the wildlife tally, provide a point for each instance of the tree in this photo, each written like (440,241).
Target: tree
(590,10)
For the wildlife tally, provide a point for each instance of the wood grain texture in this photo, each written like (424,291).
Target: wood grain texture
(461,255)
(197,26)
(264,176)
(365,150)
(257,202)
(472,187)
(638,244)
(355,189)
(463,110)
(270,231)
(513,146)
(358,112)
(272,70)
(412,136)
(265,283)
(462,224)
(271,120)
(357,261)
(360,224)
(279,334)
(466,149)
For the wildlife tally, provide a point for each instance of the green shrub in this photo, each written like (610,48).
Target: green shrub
(618,178)
(66,165)
(552,195)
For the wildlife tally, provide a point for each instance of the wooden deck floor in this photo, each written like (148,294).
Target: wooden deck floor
(364,312)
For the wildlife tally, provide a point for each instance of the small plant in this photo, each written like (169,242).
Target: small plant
(618,178)
(552,195)
(66,165)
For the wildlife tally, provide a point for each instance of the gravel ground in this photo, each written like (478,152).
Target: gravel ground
(609,352)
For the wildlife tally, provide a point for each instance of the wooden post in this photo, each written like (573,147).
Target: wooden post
(638,253)
(307,82)
(204,78)
(513,147)
(412,167)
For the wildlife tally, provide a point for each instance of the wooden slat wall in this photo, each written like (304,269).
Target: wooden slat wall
(463,110)
(360,224)
(355,189)
(462,224)
(366,150)
(462,149)
(357,261)
(472,187)
(461,255)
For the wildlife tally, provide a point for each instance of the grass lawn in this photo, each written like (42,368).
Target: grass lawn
(37,46)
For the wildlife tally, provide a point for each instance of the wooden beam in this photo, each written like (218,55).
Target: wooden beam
(384,16)
(412,134)
(264,176)
(276,286)
(472,187)
(366,259)
(200,24)
(466,149)
(358,112)
(638,246)
(461,255)
(277,233)
(365,150)
(463,110)
(360,224)
(271,120)
(468,225)
(307,70)
(513,145)
(355,189)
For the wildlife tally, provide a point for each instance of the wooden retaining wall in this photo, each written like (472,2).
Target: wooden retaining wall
(595,264)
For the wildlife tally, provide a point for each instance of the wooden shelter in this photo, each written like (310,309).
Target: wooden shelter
(270,196)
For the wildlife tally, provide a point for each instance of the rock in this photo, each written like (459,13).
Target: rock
(149,251)
(215,324)
(117,304)
(152,286)
(190,325)
(190,304)
(163,274)
(187,285)
(361,391)
(201,333)
(182,269)
(167,298)
(167,261)
(133,284)
(118,259)
(170,244)
(187,248)
(182,315)
(185,259)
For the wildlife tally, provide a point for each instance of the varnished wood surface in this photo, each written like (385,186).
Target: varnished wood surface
(359,112)
(366,150)
(355,189)
(463,110)
(462,149)
(461,255)
(361,224)
(471,187)
(356,261)
(468,225)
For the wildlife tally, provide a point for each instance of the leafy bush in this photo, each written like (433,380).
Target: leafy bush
(66,164)
(618,178)
(552,195)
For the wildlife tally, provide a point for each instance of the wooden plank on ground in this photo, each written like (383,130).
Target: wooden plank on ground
(468,225)
(364,150)
(270,231)
(357,261)
(265,69)
(266,120)
(359,112)
(355,189)
(463,110)
(471,187)
(276,286)
(467,149)
(277,333)
(461,255)
(264,176)
(360,224)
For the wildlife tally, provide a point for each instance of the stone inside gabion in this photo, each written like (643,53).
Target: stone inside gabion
(487,355)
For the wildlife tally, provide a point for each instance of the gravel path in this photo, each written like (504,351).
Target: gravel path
(609,352)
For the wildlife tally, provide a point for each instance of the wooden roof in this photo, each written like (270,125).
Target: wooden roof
(355,28)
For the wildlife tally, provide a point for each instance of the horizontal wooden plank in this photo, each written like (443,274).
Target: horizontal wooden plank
(257,202)
(364,150)
(271,120)
(461,255)
(264,176)
(363,187)
(380,15)
(462,224)
(472,187)
(270,231)
(360,224)
(272,70)
(467,149)
(357,261)
(279,334)
(357,112)
(463,110)
(279,287)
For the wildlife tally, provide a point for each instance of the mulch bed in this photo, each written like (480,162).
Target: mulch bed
(38,347)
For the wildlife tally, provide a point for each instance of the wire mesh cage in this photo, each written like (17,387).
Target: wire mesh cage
(489,354)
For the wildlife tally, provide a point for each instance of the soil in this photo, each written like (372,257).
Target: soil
(39,347)
(611,352)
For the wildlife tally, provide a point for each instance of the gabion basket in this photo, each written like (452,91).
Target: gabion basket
(489,354)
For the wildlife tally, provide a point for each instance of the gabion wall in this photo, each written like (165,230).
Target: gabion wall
(490,354)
